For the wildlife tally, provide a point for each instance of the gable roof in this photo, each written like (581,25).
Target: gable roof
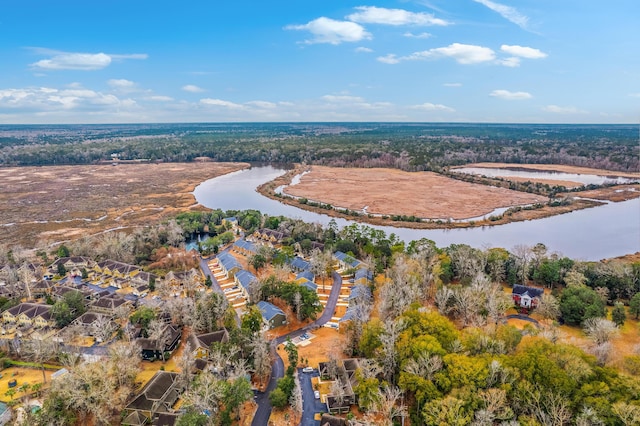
(306,275)
(308,284)
(363,273)
(245,278)
(136,418)
(299,263)
(269,310)
(532,292)
(245,245)
(228,262)
(159,393)
(360,291)
(347,259)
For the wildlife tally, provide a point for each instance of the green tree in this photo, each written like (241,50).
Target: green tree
(618,314)
(252,320)
(62,271)
(192,418)
(578,303)
(237,392)
(63,251)
(278,398)
(208,283)
(634,305)
(143,316)
(292,353)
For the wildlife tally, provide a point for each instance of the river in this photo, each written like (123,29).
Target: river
(591,234)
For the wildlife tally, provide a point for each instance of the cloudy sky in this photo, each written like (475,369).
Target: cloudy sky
(531,61)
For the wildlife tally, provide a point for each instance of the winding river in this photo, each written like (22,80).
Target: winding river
(591,234)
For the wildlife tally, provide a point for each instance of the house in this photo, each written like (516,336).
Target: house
(158,396)
(329,420)
(271,314)
(345,261)
(299,264)
(41,289)
(525,296)
(359,292)
(90,320)
(73,264)
(308,284)
(109,304)
(245,248)
(244,279)
(230,222)
(270,236)
(29,314)
(152,349)
(201,343)
(228,263)
(307,275)
(363,276)
(165,419)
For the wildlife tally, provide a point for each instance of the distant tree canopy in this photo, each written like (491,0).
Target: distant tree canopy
(413,147)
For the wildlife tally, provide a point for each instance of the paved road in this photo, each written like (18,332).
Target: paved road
(310,405)
(215,285)
(261,417)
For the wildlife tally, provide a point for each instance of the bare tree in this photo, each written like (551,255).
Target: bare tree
(389,406)
(186,363)
(549,307)
(261,356)
(297,304)
(388,338)
(39,349)
(295,400)
(522,255)
(103,328)
(442,300)
(600,330)
(401,291)
(424,366)
(157,331)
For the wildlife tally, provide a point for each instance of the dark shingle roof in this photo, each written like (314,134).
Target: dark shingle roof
(522,289)
(269,311)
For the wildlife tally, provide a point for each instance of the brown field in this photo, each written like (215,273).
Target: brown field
(56,203)
(554,168)
(389,192)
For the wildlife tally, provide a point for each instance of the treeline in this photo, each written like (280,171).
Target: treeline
(411,147)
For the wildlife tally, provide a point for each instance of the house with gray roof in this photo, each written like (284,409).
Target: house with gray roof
(158,396)
(299,264)
(271,314)
(228,263)
(245,248)
(307,275)
(346,261)
(244,279)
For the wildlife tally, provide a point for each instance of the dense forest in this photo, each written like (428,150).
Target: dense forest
(411,147)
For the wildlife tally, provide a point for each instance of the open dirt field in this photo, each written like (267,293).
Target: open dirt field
(394,192)
(57,203)
(22,376)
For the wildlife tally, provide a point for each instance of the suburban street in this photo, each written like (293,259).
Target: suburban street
(261,417)
(310,405)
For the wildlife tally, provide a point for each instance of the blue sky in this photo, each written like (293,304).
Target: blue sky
(531,61)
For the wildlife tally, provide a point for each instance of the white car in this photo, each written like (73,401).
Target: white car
(307,370)
(316,394)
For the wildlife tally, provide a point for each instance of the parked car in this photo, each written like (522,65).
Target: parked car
(316,394)
(307,370)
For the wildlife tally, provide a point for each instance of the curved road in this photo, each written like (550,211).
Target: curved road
(261,417)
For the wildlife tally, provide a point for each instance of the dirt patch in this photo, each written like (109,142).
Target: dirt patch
(395,192)
(22,376)
(57,203)
(614,193)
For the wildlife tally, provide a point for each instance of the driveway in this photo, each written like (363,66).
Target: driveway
(310,405)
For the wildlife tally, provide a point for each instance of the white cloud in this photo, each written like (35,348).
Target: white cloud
(511,62)
(121,83)
(510,96)
(419,35)
(50,99)
(160,98)
(262,104)
(428,106)
(342,98)
(327,30)
(363,50)
(380,15)
(465,53)
(452,84)
(563,110)
(192,88)
(220,102)
(389,59)
(509,13)
(79,61)
(523,51)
